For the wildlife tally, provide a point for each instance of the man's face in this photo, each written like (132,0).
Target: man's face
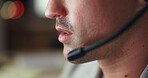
(85,22)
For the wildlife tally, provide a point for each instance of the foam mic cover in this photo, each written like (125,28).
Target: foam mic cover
(76,54)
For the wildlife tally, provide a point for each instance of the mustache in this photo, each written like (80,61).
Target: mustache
(64,23)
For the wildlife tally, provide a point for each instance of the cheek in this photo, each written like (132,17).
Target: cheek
(78,18)
(87,20)
(84,21)
(99,19)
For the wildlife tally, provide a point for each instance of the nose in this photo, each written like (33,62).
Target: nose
(55,8)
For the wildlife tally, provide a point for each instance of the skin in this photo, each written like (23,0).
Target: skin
(90,21)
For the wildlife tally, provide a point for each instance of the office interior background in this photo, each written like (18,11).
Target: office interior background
(29,46)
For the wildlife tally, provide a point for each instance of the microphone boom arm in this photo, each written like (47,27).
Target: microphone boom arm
(80,52)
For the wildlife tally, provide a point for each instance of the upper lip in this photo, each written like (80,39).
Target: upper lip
(60,29)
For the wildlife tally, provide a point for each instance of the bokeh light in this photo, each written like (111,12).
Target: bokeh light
(17,8)
(4,10)
(12,10)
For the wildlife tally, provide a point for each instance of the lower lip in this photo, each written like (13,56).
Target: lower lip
(63,37)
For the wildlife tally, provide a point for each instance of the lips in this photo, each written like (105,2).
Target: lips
(65,35)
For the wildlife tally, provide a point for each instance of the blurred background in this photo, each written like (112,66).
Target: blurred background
(29,46)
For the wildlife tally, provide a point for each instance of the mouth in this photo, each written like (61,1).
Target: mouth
(64,35)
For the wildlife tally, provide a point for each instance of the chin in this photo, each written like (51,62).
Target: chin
(91,56)
(65,53)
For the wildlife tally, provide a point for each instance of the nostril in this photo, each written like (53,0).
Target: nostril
(56,16)
(51,15)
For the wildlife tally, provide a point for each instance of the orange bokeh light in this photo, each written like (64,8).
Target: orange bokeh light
(12,10)
(18,8)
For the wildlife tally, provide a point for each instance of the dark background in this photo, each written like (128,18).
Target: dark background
(29,46)
(30,32)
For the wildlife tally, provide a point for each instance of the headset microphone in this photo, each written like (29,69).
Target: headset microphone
(80,52)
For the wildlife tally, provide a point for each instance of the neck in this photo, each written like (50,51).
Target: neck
(134,59)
